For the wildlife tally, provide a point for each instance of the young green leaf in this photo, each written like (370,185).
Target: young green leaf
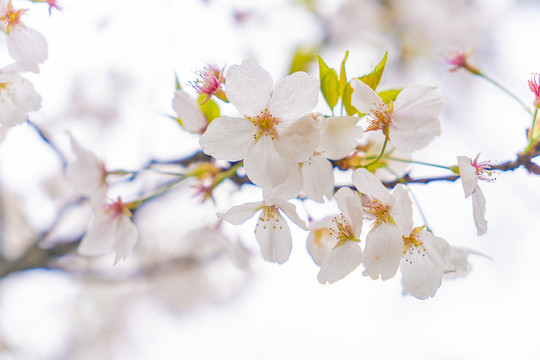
(387,95)
(210,109)
(373,78)
(343,75)
(329,83)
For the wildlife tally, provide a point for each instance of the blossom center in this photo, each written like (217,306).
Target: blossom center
(117,208)
(342,230)
(377,211)
(482,169)
(412,244)
(12,17)
(210,82)
(381,117)
(264,123)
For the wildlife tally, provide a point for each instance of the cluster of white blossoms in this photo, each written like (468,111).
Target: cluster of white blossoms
(28,49)
(290,151)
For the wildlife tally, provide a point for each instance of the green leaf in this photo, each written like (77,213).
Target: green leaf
(329,83)
(373,78)
(387,95)
(210,109)
(343,75)
(347,92)
(303,57)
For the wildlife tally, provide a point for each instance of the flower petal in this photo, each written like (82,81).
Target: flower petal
(479,211)
(248,88)
(467,172)
(416,106)
(289,189)
(368,184)
(363,98)
(298,139)
(289,210)
(294,96)
(408,141)
(228,138)
(340,262)
(126,237)
(320,241)
(27,45)
(402,210)
(240,213)
(339,136)
(420,277)
(274,238)
(350,205)
(318,178)
(189,112)
(382,253)
(265,165)
(100,236)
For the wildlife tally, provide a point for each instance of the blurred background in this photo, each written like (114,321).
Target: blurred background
(190,292)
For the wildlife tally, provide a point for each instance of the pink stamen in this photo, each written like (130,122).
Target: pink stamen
(210,81)
(534,85)
(482,169)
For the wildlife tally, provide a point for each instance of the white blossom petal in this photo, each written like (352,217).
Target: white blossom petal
(294,96)
(467,172)
(318,178)
(340,262)
(339,136)
(274,238)
(27,45)
(189,112)
(298,139)
(420,277)
(228,138)
(401,211)
(100,236)
(240,213)
(265,165)
(417,106)
(320,241)
(363,98)
(289,189)
(126,237)
(368,184)
(409,141)
(350,205)
(479,211)
(248,88)
(382,254)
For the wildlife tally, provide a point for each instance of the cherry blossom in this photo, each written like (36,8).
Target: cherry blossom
(87,174)
(272,232)
(392,216)
(410,123)
(110,228)
(471,171)
(189,112)
(26,46)
(210,83)
(345,255)
(534,85)
(275,132)
(17,99)
(425,258)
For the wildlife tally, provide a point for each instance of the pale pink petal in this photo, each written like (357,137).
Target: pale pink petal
(349,204)
(274,238)
(401,211)
(320,241)
(228,138)
(240,213)
(467,172)
(100,236)
(289,210)
(408,141)
(289,189)
(420,277)
(363,98)
(416,106)
(479,211)
(189,112)
(126,237)
(294,96)
(437,249)
(382,254)
(340,262)
(298,139)
(318,178)
(339,136)
(460,264)
(27,45)
(265,165)
(368,184)
(248,88)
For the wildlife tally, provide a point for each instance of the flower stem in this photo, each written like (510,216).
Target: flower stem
(420,163)
(378,157)
(505,90)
